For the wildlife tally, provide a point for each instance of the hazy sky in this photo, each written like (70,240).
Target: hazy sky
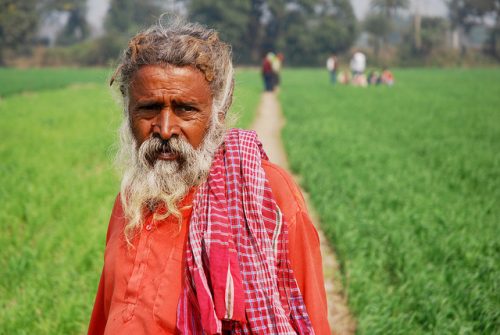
(98,8)
(427,7)
(96,13)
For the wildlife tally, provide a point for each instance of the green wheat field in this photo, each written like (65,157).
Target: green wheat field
(406,180)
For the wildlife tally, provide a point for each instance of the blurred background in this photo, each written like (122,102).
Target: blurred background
(405,177)
(390,32)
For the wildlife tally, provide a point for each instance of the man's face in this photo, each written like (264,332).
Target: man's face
(169,101)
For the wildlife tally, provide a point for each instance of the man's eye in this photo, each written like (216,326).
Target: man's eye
(186,108)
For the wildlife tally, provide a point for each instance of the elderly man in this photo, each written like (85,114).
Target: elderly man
(206,236)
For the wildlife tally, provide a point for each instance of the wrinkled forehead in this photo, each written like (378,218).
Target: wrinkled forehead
(185,74)
(185,83)
(172,50)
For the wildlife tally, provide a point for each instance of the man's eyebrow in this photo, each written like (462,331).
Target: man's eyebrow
(185,101)
(148,101)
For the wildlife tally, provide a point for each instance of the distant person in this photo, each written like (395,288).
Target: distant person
(344,77)
(387,78)
(331,66)
(358,63)
(277,65)
(267,72)
(206,235)
(359,80)
(374,78)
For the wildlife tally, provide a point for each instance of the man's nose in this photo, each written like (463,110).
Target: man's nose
(167,124)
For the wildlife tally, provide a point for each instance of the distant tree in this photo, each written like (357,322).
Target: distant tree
(457,13)
(494,38)
(274,24)
(432,33)
(489,9)
(230,18)
(297,41)
(18,24)
(310,30)
(306,31)
(336,29)
(378,27)
(433,37)
(123,19)
(469,13)
(119,17)
(466,14)
(128,16)
(389,7)
(254,33)
(76,28)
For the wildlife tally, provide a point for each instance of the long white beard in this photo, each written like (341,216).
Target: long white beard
(146,183)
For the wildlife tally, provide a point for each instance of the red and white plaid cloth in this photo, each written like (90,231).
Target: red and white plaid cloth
(238,275)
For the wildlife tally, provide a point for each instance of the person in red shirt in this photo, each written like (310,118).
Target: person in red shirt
(387,78)
(267,72)
(206,235)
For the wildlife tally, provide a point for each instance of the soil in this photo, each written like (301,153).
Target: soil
(268,124)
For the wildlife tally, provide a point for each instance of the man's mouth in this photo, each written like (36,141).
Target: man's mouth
(167,156)
(168,151)
(163,153)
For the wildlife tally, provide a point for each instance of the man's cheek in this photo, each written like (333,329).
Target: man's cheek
(139,130)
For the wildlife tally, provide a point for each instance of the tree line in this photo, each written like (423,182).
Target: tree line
(306,31)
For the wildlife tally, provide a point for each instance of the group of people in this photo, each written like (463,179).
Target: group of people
(381,78)
(271,68)
(356,76)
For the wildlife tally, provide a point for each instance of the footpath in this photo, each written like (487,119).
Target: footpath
(268,124)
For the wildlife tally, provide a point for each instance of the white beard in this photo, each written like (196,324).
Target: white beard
(147,182)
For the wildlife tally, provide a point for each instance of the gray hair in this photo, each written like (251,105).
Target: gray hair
(181,44)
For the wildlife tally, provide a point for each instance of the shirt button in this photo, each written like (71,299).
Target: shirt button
(148,227)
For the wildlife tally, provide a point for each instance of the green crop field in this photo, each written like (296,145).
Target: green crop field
(57,190)
(248,88)
(406,181)
(14,81)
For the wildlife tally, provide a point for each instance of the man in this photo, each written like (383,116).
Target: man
(206,236)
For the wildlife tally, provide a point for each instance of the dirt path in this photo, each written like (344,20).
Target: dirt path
(268,124)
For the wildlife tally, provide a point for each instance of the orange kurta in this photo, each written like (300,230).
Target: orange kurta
(140,286)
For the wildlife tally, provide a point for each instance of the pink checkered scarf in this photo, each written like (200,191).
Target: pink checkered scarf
(238,275)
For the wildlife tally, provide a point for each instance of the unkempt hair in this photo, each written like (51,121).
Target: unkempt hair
(180,43)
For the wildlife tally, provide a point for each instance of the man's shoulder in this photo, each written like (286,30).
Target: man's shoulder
(285,190)
(276,174)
